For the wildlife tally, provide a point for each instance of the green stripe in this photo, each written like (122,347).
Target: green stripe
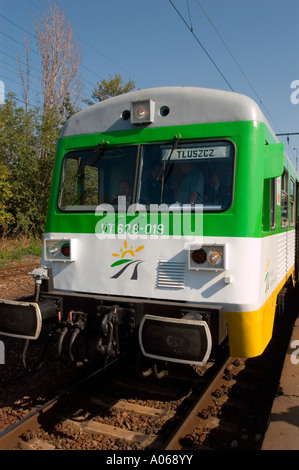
(242,219)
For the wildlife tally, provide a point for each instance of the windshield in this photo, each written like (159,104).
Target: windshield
(90,178)
(193,173)
(184,173)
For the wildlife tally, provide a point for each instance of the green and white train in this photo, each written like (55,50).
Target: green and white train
(171,223)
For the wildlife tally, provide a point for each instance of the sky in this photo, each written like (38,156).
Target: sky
(245,46)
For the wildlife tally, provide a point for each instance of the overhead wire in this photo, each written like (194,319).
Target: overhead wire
(18,26)
(191,29)
(98,51)
(226,46)
(237,63)
(19,99)
(262,105)
(22,44)
(80,39)
(9,69)
(21,62)
(18,42)
(109,58)
(201,45)
(190,19)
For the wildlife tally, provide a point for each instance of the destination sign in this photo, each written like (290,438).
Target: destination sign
(197,153)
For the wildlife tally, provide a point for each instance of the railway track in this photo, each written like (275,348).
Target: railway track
(203,416)
(130,413)
(126,415)
(25,429)
(19,270)
(220,407)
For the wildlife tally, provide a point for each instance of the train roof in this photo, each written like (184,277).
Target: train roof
(187,105)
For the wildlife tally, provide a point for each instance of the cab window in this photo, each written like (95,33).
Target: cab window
(93,177)
(192,173)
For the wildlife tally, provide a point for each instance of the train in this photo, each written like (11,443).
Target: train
(171,225)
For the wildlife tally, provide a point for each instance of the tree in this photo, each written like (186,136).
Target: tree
(19,172)
(61,58)
(28,137)
(6,217)
(25,76)
(61,87)
(109,88)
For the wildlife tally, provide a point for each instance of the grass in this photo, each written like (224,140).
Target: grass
(16,250)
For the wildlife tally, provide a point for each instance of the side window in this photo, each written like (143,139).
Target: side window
(292,202)
(284,199)
(269,205)
(273,203)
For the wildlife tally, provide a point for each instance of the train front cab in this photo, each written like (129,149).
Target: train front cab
(256,232)
(259,222)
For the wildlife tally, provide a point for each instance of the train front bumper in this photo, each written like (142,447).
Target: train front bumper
(20,319)
(184,340)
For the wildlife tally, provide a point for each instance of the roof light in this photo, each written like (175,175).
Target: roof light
(142,112)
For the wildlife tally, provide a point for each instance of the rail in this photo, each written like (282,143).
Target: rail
(10,437)
(19,270)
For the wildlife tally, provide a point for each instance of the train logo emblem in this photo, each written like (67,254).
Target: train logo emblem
(126,258)
(267,280)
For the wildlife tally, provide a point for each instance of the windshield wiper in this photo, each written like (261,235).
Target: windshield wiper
(162,174)
(94,157)
(100,149)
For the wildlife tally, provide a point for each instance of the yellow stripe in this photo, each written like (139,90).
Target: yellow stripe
(250,332)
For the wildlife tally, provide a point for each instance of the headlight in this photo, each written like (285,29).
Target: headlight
(208,257)
(215,257)
(60,250)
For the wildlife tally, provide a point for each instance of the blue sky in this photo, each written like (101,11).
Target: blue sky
(253,44)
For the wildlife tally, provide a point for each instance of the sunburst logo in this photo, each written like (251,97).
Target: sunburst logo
(126,255)
(267,280)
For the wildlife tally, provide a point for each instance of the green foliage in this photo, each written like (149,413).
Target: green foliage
(28,137)
(6,218)
(110,88)
(27,150)
(19,249)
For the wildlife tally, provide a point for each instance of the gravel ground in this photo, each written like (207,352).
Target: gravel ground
(18,286)
(20,391)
